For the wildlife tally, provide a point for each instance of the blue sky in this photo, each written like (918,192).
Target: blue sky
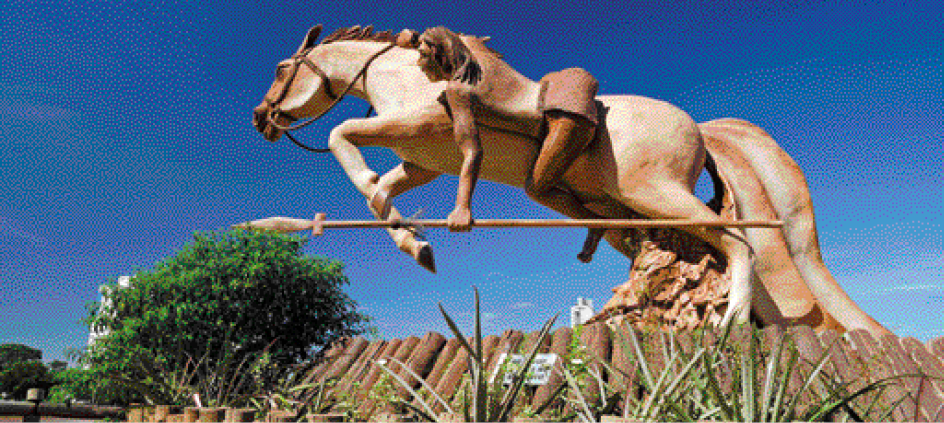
(125,127)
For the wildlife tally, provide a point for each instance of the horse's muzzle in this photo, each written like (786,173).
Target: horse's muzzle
(260,120)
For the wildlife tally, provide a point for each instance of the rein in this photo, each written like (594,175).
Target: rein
(275,110)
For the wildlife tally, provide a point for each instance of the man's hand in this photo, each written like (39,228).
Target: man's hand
(460,220)
(462,102)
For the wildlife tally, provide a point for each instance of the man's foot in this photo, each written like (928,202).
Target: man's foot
(590,244)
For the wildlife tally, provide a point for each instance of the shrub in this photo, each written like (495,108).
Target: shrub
(215,306)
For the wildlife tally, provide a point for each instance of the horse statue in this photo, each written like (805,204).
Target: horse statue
(645,161)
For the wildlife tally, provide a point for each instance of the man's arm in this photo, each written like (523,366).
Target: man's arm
(462,102)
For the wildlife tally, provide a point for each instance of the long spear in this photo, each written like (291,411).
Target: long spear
(319,223)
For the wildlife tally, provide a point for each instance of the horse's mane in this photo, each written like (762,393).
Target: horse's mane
(478,44)
(459,50)
(356,33)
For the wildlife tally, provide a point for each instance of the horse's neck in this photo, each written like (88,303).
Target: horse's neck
(392,80)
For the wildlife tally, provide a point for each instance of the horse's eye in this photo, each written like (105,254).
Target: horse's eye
(280,72)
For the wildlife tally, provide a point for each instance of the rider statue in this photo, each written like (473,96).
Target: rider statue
(567,101)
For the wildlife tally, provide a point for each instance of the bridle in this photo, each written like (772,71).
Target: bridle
(301,58)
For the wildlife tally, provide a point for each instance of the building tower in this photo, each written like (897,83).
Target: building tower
(581,312)
(123,282)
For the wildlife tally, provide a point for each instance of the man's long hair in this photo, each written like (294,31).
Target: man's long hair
(453,55)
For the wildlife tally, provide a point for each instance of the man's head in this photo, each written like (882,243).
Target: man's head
(444,57)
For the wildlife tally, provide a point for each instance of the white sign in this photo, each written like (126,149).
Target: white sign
(538,374)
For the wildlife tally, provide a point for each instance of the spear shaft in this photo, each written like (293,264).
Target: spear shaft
(319,223)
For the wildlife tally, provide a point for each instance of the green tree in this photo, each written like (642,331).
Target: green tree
(58,366)
(19,377)
(76,384)
(15,353)
(21,369)
(231,295)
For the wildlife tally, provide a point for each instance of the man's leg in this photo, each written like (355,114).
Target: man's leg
(567,136)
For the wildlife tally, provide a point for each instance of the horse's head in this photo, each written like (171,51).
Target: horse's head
(299,88)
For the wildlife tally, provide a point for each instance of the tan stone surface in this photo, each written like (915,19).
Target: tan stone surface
(667,292)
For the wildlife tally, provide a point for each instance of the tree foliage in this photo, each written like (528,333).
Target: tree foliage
(15,353)
(58,365)
(79,384)
(17,378)
(234,294)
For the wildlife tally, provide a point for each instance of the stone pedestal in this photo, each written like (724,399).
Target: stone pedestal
(677,282)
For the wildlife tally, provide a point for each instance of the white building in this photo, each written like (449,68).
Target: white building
(123,282)
(581,312)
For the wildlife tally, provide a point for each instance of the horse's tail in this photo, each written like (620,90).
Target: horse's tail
(716,201)
(748,151)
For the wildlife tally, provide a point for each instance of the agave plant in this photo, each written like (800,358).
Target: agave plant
(291,396)
(490,402)
(690,387)
(205,381)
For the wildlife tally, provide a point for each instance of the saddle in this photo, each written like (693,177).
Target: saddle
(571,90)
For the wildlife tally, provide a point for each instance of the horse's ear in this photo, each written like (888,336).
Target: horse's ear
(310,39)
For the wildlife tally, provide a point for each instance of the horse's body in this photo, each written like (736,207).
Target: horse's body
(509,156)
(646,160)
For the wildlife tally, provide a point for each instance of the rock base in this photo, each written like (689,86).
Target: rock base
(676,282)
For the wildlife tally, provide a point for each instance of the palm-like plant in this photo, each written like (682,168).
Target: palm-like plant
(690,386)
(490,402)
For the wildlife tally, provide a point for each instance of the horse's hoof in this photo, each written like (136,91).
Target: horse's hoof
(424,257)
(584,257)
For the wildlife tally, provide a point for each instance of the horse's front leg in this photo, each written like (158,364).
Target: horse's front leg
(400,179)
(385,131)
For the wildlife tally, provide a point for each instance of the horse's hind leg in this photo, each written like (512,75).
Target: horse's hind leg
(672,201)
(400,179)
